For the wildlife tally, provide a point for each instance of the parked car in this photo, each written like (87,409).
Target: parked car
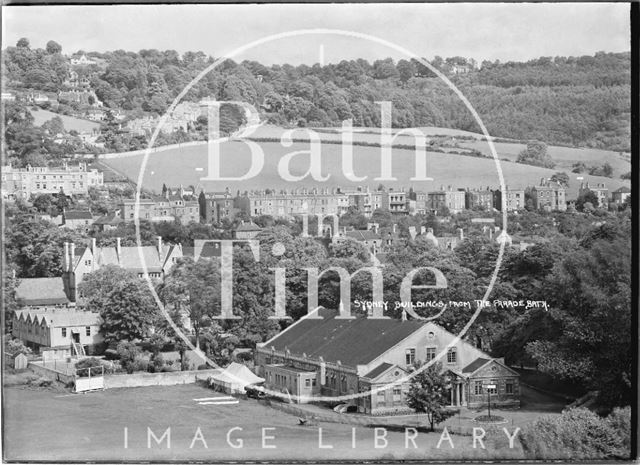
(345,408)
(255,392)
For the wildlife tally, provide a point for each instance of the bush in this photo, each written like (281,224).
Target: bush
(91,364)
(577,434)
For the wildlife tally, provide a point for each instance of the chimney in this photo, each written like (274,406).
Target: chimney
(461,234)
(490,233)
(118,248)
(66,257)
(93,246)
(72,247)
(159,239)
(395,228)
(542,181)
(404,315)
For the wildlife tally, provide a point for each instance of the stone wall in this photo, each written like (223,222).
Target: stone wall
(169,378)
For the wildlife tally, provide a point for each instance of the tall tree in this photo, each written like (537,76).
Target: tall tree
(429,394)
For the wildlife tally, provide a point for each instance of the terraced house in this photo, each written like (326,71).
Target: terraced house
(321,355)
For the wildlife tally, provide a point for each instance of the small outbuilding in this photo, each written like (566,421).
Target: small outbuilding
(233,379)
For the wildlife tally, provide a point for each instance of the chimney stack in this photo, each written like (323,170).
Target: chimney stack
(395,228)
(159,239)
(93,246)
(461,234)
(66,257)
(72,246)
(118,248)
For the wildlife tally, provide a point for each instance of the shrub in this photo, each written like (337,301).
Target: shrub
(91,364)
(576,434)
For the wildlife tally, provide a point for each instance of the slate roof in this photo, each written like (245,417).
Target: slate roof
(377,371)
(60,318)
(363,235)
(250,226)
(77,215)
(477,363)
(130,258)
(109,220)
(353,342)
(41,291)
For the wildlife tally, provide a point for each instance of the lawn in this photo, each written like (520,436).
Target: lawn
(79,427)
(41,116)
(564,157)
(187,165)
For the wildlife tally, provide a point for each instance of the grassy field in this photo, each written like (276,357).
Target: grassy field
(188,165)
(80,427)
(40,116)
(564,157)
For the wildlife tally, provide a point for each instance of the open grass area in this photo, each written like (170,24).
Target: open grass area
(188,165)
(55,427)
(41,116)
(564,157)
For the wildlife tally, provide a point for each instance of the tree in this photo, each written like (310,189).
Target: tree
(193,288)
(23,43)
(587,197)
(561,178)
(127,312)
(536,154)
(429,394)
(589,292)
(53,47)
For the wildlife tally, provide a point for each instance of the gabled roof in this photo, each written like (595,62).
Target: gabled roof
(55,318)
(476,365)
(353,342)
(363,235)
(623,190)
(77,215)
(129,258)
(41,291)
(250,226)
(109,220)
(377,371)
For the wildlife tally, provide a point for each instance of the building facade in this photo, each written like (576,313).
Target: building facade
(293,202)
(34,180)
(514,199)
(601,191)
(454,201)
(316,356)
(549,196)
(57,328)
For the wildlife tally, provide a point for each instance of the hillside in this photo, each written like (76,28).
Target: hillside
(70,123)
(187,165)
(577,101)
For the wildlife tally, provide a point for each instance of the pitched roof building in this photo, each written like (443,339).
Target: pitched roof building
(36,292)
(321,355)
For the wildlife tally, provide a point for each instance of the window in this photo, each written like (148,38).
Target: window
(477,388)
(381,398)
(410,356)
(307,382)
(87,262)
(343,383)
(87,330)
(508,387)
(397,392)
(452,356)
(313,382)
(493,390)
(64,332)
(431,353)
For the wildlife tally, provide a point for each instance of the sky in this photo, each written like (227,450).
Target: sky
(500,31)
